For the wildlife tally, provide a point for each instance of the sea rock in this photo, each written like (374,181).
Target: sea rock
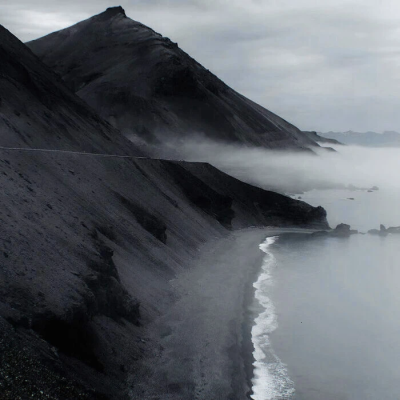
(393,229)
(381,232)
(341,230)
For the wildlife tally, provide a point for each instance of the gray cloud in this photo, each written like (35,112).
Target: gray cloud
(321,65)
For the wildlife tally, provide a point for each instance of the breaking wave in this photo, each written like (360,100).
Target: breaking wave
(270,380)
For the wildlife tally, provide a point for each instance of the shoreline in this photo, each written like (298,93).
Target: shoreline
(247,325)
(201,337)
(251,307)
(203,344)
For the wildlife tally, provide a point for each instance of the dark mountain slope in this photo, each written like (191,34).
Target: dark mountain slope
(252,203)
(89,244)
(145,85)
(37,110)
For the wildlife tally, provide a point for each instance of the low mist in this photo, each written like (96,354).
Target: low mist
(294,172)
(349,167)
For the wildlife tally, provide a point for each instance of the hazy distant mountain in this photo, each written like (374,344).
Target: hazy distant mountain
(91,244)
(370,139)
(146,86)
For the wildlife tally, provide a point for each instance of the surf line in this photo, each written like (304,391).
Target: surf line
(270,378)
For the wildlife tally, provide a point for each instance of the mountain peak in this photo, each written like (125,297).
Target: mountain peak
(113,11)
(178,95)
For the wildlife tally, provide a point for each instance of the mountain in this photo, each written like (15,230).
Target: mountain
(93,237)
(146,86)
(369,139)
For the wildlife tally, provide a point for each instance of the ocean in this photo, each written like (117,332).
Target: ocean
(328,320)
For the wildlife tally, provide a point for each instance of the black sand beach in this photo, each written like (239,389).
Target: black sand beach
(201,356)
(206,348)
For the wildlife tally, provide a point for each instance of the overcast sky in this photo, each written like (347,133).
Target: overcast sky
(322,65)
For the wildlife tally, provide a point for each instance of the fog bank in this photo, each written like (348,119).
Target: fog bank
(295,172)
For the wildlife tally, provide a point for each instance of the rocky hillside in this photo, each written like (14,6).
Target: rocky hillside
(89,243)
(145,85)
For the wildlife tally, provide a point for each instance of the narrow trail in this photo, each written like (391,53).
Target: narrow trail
(83,153)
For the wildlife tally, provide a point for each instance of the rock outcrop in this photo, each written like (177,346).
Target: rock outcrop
(341,230)
(383,231)
(393,229)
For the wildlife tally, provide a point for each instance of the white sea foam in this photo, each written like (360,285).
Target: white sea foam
(270,381)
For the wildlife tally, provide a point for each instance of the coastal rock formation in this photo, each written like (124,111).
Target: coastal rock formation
(393,229)
(145,85)
(341,230)
(383,231)
(90,244)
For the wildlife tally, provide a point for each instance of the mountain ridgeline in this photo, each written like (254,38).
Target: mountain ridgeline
(146,86)
(92,236)
(366,139)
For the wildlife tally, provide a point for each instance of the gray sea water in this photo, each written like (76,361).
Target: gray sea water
(330,326)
